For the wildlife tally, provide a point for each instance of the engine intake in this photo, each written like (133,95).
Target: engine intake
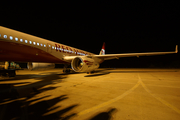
(84,64)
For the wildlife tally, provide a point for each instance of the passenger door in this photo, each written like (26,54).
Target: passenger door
(49,48)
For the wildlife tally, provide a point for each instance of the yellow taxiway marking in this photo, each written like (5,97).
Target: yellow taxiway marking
(158,98)
(110,101)
(125,94)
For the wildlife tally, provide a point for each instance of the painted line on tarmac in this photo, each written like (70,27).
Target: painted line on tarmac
(162,86)
(158,98)
(110,101)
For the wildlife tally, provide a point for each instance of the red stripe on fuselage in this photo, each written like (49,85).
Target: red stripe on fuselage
(23,53)
(88,62)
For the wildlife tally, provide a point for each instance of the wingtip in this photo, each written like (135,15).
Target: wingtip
(176,49)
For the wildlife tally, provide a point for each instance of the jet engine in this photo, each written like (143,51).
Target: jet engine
(84,64)
(34,65)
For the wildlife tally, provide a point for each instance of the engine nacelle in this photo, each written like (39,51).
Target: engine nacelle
(84,64)
(35,65)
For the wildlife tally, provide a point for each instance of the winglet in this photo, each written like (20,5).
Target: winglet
(176,50)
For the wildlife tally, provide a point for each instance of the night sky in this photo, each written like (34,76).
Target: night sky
(125,26)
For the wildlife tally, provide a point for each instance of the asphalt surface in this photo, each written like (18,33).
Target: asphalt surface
(108,94)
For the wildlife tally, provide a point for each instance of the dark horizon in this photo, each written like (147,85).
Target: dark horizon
(125,27)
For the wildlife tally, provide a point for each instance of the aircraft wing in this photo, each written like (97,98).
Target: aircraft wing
(116,56)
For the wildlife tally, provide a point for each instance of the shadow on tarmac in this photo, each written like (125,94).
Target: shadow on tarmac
(30,102)
(139,71)
(111,70)
(108,115)
(97,74)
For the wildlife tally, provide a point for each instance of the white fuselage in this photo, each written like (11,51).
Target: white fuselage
(18,46)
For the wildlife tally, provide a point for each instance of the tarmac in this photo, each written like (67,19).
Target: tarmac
(107,94)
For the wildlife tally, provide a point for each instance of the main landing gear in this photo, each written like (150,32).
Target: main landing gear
(66,69)
(8,72)
(91,72)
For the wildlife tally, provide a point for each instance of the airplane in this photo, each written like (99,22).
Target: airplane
(38,52)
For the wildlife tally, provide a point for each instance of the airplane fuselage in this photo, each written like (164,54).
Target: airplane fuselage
(22,47)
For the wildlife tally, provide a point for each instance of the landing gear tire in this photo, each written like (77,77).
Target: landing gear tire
(91,72)
(12,74)
(67,71)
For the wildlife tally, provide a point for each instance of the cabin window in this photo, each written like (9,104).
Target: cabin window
(41,44)
(44,45)
(26,41)
(30,42)
(11,37)
(34,43)
(5,36)
(16,39)
(0,35)
(52,47)
(38,44)
(21,40)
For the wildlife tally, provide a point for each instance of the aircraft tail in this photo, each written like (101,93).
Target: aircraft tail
(102,52)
